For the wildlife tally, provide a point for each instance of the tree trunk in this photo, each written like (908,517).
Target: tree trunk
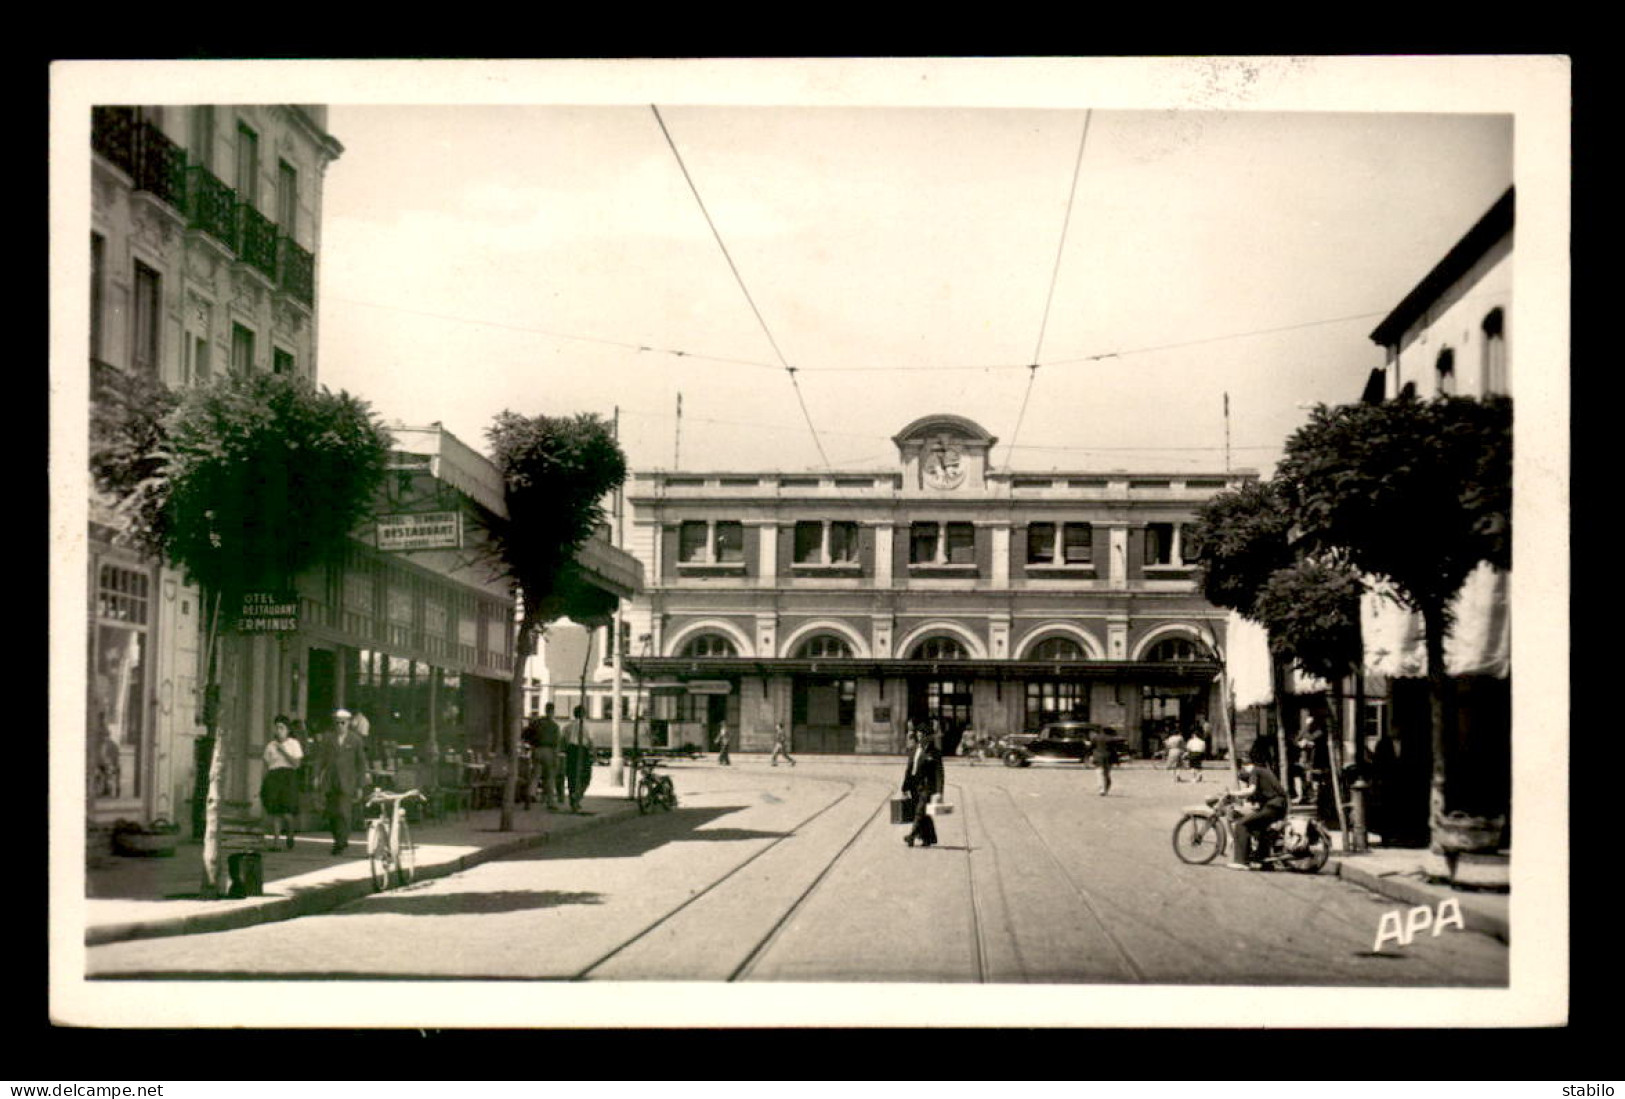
(516,707)
(210,885)
(1278,682)
(1334,754)
(1441,706)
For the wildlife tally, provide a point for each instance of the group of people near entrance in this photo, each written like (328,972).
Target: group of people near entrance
(561,761)
(1182,753)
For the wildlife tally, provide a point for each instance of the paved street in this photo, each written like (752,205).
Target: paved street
(796,874)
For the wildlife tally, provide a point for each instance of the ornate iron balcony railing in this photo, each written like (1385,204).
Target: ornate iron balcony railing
(297,271)
(256,239)
(210,205)
(113,135)
(160,166)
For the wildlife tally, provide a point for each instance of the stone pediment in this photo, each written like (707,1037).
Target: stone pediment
(944,453)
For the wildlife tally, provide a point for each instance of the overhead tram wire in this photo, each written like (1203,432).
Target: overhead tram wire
(790,370)
(1054,277)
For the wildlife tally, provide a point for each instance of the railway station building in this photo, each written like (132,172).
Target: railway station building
(848,605)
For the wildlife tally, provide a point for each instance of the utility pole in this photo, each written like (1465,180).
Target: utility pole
(677,447)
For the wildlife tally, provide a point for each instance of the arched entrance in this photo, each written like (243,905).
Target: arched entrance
(943,698)
(824,708)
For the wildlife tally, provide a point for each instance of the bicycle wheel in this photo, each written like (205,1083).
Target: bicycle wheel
(646,794)
(668,794)
(406,856)
(1198,839)
(378,858)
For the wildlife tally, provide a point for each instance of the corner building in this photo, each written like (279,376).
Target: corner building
(846,605)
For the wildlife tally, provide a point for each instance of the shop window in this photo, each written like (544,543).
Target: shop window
(709,645)
(118,684)
(1055,700)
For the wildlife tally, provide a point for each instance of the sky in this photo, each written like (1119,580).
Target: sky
(560,258)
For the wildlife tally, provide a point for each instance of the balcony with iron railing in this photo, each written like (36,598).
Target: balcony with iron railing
(113,135)
(160,166)
(296,270)
(211,206)
(256,239)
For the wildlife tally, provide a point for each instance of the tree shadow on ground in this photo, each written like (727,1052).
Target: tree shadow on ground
(407,903)
(637,836)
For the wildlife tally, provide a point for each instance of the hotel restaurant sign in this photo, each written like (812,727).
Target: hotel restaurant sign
(421,531)
(268,612)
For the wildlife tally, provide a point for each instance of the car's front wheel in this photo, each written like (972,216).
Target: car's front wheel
(1015,757)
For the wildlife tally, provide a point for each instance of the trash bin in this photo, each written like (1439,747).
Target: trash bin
(247,872)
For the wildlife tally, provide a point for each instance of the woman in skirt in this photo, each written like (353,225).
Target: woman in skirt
(279,789)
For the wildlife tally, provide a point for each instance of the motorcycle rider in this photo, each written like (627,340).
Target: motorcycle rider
(1260,786)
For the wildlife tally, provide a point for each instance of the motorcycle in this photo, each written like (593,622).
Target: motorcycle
(1298,843)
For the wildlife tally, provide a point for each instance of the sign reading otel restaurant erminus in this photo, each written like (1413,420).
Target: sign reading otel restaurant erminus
(424,530)
(268,612)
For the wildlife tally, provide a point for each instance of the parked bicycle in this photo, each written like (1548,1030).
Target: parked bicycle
(390,850)
(654,790)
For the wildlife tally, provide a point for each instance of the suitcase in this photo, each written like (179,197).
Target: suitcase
(940,808)
(902,810)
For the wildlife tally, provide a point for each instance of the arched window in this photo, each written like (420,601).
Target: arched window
(1174,649)
(1494,365)
(1445,368)
(825,646)
(1058,648)
(939,648)
(709,644)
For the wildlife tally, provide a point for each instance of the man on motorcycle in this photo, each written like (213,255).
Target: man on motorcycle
(1269,798)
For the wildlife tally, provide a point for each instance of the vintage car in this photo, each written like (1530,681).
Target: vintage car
(1060,742)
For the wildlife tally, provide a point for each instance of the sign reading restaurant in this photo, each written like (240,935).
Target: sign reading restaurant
(268,612)
(424,530)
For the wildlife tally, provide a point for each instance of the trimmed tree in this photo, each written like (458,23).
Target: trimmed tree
(1246,537)
(556,472)
(1312,612)
(1418,493)
(243,485)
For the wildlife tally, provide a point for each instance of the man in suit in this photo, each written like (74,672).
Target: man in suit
(341,772)
(922,779)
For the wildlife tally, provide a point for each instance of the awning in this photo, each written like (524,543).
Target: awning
(683,668)
(1480,643)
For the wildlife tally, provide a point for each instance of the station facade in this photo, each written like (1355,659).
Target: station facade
(848,605)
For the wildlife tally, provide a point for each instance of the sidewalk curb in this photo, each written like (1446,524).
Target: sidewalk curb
(247,912)
(1401,887)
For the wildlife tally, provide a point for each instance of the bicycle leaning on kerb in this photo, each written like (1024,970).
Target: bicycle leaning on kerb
(390,850)
(654,790)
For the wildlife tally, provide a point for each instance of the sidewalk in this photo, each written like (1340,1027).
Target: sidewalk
(1396,872)
(139,898)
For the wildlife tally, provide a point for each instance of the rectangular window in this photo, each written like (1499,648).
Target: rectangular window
(242,350)
(606,708)
(809,543)
(843,543)
(197,367)
(202,138)
(118,675)
(847,710)
(1190,548)
(1159,543)
(961,544)
(281,361)
(730,541)
(248,165)
(98,256)
(287,197)
(1051,700)
(1040,543)
(144,352)
(1078,543)
(691,541)
(922,543)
